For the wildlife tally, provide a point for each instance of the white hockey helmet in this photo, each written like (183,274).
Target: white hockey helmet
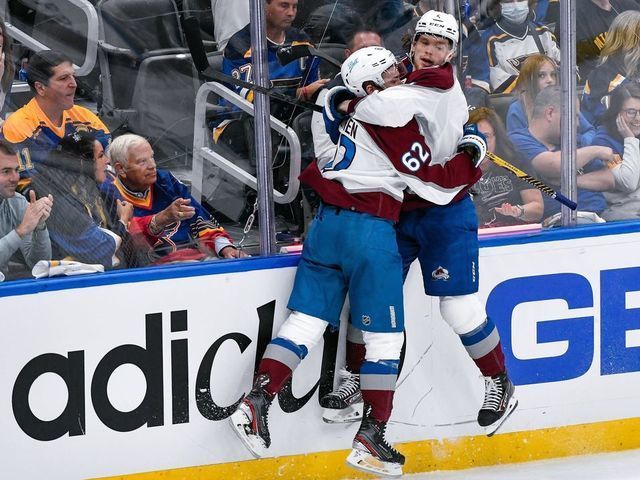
(438,23)
(366,65)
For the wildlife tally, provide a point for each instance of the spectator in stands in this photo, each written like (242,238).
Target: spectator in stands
(495,61)
(500,197)
(233,132)
(229,16)
(7,67)
(22,223)
(298,78)
(540,144)
(82,227)
(538,72)
(619,63)
(620,131)
(167,217)
(593,19)
(22,73)
(50,115)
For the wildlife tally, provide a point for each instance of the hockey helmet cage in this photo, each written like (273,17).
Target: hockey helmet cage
(366,65)
(438,23)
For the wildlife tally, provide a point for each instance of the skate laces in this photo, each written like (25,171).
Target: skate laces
(383,438)
(494,391)
(349,384)
(379,429)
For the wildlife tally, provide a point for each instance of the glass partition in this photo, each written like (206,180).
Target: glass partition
(180,77)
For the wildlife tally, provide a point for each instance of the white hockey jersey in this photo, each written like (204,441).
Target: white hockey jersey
(374,164)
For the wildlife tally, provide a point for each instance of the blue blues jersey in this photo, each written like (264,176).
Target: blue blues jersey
(34,135)
(202,227)
(238,62)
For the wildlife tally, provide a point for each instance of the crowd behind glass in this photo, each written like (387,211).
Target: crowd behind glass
(100,193)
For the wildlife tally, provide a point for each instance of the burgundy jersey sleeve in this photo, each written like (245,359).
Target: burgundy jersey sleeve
(437,182)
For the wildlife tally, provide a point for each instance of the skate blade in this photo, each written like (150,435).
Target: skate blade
(365,462)
(495,426)
(253,443)
(351,414)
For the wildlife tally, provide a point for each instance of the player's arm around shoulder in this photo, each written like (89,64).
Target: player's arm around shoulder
(392,107)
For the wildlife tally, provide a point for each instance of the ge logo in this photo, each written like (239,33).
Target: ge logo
(366,320)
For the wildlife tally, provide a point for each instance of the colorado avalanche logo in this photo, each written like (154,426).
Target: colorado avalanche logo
(440,273)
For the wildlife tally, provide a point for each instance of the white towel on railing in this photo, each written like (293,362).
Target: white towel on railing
(52,268)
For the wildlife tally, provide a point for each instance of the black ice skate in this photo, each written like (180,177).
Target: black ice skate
(343,405)
(499,403)
(371,453)
(250,420)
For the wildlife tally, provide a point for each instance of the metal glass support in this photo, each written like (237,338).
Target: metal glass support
(262,134)
(202,152)
(569,98)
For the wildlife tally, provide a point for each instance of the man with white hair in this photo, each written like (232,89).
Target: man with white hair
(173,223)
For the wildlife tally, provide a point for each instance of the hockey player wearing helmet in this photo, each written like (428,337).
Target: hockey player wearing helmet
(442,234)
(362,187)
(369,69)
(435,40)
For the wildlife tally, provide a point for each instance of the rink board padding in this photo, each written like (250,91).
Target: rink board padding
(428,455)
(134,374)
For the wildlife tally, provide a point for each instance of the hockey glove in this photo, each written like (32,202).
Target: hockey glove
(473,143)
(333,98)
(330,114)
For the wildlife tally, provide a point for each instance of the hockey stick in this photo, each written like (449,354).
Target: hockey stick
(533,181)
(199,56)
(289,53)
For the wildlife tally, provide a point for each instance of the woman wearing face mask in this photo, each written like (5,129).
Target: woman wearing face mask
(538,72)
(505,44)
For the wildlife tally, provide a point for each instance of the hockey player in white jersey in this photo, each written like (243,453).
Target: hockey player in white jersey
(442,234)
(362,192)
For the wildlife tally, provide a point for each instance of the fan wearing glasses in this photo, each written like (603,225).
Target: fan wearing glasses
(620,131)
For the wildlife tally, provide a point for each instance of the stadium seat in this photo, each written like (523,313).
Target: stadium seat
(63,26)
(301,125)
(334,50)
(500,103)
(149,82)
(201,9)
(62,29)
